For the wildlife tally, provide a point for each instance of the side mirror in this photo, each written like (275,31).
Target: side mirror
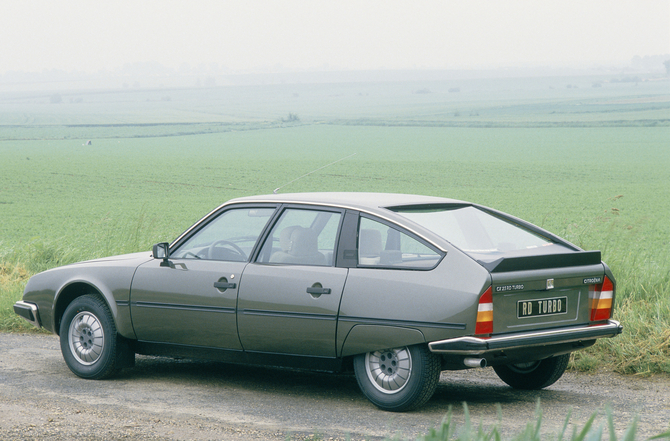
(162,251)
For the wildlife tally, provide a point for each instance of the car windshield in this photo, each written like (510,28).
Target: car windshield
(474,230)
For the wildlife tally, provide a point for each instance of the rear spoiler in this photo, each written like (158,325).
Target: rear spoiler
(507,264)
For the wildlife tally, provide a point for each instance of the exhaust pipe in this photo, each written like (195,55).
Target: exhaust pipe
(474,362)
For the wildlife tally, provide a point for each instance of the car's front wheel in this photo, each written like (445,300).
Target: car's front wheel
(398,379)
(88,338)
(535,374)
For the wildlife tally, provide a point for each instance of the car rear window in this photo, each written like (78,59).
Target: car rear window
(474,230)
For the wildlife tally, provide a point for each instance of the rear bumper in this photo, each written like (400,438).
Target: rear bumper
(483,347)
(28,311)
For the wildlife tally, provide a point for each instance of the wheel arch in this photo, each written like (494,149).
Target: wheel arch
(368,338)
(69,293)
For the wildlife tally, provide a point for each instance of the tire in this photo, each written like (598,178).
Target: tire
(398,379)
(88,339)
(533,375)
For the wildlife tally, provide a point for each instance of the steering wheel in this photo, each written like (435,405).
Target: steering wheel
(235,250)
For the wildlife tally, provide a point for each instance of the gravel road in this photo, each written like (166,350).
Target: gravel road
(169,399)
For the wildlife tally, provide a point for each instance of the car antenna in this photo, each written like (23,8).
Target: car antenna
(313,171)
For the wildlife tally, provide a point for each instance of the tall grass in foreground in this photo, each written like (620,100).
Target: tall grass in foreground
(532,432)
(450,431)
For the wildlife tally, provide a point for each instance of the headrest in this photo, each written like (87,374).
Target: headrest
(303,242)
(370,242)
(285,238)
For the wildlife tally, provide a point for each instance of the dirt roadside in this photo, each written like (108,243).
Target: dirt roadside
(167,399)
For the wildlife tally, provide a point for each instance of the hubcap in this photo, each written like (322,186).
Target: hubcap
(389,370)
(86,338)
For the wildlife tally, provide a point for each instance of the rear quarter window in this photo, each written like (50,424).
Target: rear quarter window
(383,246)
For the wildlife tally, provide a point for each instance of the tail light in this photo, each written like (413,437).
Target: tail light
(484,324)
(600,300)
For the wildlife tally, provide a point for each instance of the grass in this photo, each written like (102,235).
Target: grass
(12,281)
(533,431)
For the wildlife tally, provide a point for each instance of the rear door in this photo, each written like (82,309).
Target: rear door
(290,297)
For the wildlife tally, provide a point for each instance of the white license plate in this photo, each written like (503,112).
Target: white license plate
(542,307)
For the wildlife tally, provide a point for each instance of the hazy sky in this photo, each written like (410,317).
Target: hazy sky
(293,34)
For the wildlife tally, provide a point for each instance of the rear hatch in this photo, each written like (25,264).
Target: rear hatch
(542,292)
(538,280)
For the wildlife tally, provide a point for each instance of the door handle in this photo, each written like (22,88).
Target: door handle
(225,285)
(318,291)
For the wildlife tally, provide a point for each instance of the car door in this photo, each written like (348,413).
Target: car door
(191,299)
(289,301)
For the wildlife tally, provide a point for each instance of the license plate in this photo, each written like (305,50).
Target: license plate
(542,307)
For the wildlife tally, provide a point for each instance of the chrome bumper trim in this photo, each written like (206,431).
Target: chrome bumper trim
(480,346)
(28,311)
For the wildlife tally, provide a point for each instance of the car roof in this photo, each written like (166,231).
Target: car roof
(371,202)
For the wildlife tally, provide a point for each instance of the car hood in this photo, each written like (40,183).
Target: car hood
(140,257)
(125,260)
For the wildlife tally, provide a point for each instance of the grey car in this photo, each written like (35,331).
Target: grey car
(395,288)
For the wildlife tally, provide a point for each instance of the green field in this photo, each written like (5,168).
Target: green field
(591,164)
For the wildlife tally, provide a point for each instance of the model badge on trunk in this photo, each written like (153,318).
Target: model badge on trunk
(534,308)
(505,288)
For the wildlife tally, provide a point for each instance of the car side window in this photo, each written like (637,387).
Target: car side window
(302,237)
(229,237)
(382,246)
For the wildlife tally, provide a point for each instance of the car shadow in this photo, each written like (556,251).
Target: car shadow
(477,387)
(213,374)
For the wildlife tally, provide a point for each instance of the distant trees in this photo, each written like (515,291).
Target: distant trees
(56,98)
(666,63)
(292,117)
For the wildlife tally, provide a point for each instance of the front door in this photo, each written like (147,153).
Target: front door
(192,298)
(191,302)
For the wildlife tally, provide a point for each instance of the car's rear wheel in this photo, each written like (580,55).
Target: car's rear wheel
(398,379)
(535,374)
(88,338)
